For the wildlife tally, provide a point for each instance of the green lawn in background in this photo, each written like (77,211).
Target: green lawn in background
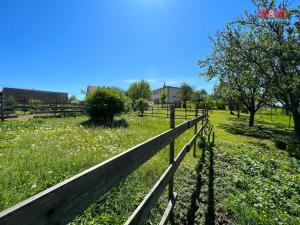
(252,181)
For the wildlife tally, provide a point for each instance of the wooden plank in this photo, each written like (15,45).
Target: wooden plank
(64,201)
(10,116)
(141,213)
(167,213)
(53,112)
(192,141)
(172,149)
(149,113)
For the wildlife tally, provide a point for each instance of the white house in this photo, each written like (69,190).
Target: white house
(173,94)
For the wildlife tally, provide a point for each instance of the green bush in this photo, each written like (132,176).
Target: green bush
(104,103)
(142,105)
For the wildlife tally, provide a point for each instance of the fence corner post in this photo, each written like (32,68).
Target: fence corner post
(195,132)
(171,157)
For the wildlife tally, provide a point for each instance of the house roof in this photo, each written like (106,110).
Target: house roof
(91,88)
(165,87)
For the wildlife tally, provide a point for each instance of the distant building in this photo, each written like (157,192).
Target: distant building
(24,95)
(91,88)
(173,95)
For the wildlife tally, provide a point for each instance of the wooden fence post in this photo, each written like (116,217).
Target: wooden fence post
(24,104)
(185,112)
(168,112)
(2,106)
(195,132)
(172,152)
(55,107)
(152,111)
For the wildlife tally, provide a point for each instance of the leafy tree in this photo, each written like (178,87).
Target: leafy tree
(186,92)
(104,103)
(229,96)
(73,99)
(279,45)
(163,98)
(142,105)
(34,102)
(139,90)
(229,65)
(10,103)
(209,101)
(198,97)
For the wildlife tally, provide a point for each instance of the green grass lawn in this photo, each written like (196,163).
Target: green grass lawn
(244,179)
(251,181)
(276,115)
(39,153)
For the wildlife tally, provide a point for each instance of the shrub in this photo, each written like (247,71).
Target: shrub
(128,104)
(11,103)
(142,105)
(104,103)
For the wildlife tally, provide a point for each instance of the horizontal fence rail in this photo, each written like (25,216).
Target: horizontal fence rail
(180,113)
(9,111)
(141,213)
(63,202)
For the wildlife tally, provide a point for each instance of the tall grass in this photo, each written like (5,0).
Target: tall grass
(37,154)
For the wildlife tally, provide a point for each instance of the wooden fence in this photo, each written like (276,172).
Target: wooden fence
(55,109)
(63,202)
(180,113)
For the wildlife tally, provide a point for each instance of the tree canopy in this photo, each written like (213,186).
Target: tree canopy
(259,60)
(138,90)
(186,92)
(198,97)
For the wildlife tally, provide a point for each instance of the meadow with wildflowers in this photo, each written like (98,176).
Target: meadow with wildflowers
(243,179)
(39,153)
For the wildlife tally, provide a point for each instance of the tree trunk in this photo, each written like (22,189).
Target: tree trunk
(251,118)
(238,114)
(296,117)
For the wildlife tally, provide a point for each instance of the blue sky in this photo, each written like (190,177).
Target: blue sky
(65,45)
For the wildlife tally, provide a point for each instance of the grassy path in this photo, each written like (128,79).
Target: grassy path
(244,179)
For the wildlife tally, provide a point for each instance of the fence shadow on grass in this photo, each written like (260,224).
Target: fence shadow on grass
(191,214)
(283,138)
(210,213)
(114,123)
